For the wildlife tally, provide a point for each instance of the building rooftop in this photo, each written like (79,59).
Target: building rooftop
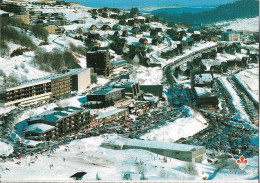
(56,114)
(43,80)
(203,78)
(109,112)
(203,92)
(39,128)
(152,144)
(106,91)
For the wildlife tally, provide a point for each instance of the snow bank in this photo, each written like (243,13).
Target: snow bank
(179,128)
(250,80)
(247,24)
(87,155)
(5,149)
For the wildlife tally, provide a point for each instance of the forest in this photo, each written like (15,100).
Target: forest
(231,11)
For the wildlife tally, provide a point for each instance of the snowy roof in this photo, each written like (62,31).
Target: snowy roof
(203,78)
(106,91)
(43,80)
(109,112)
(56,114)
(39,128)
(153,144)
(201,92)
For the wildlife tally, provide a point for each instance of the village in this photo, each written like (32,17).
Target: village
(132,82)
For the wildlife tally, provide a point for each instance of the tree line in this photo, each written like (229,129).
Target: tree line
(231,11)
(55,61)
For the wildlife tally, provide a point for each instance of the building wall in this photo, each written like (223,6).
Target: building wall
(81,81)
(61,86)
(190,156)
(51,29)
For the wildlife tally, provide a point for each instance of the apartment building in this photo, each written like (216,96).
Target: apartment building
(47,88)
(100,62)
(58,122)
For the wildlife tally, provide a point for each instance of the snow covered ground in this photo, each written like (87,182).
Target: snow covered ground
(236,100)
(5,149)
(147,75)
(87,155)
(250,80)
(247,24)
(179,128)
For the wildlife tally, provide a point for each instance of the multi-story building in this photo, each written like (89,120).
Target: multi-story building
(81,79)
(107,96)
(100,62)
(24,17)
(58,123)
(60,86)
(25,93)
(230,35)
(132,88)
(52,87)
(51,28)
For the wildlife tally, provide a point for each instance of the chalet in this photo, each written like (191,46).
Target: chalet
(125,34)
(143,41)
(122,22)
(106,28)
(147,20)
(196,36)
(116,33)
(116,27)
(153,33)
(104,15)
(145,28)
(132,22)
(115,10)
(155,42)
(136,31)
(158,29)
(93,27)
(237,47)
(141,21)
(114,16)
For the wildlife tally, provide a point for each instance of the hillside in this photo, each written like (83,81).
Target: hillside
(229,11)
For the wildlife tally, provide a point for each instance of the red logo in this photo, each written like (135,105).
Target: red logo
(242,162)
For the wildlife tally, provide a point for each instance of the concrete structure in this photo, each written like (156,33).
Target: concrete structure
(51,87)
(182,152)
(205,98)
(132,88)
(230,35)
(58,122)
(107,96)
(100,62)
(23,17)
(81,79)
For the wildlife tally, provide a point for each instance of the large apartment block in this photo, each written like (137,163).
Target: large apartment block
(52,87)
(58,122)
(100,62)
